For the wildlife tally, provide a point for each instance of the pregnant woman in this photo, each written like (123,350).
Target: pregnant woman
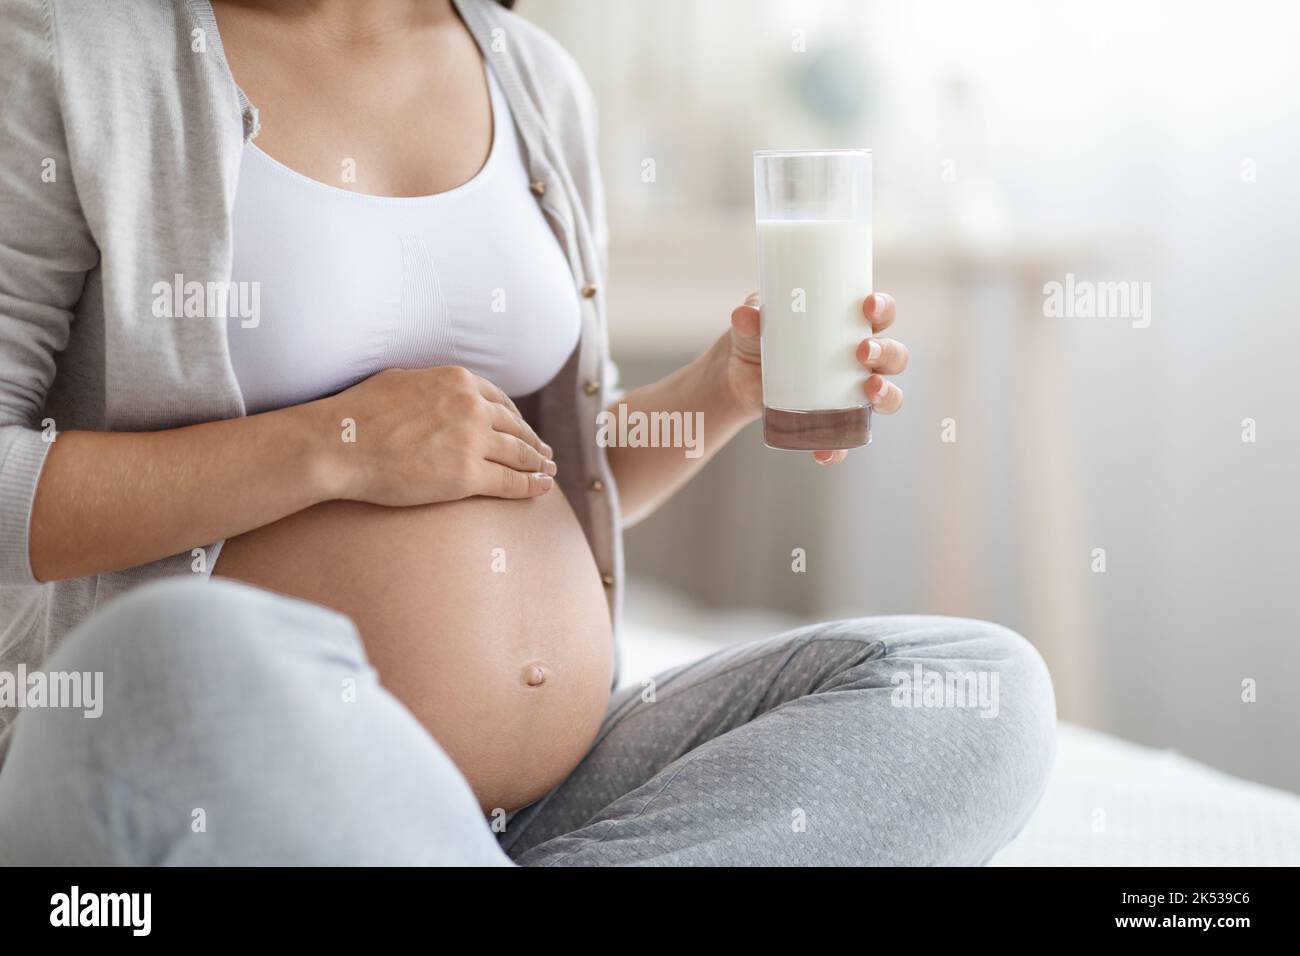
(303,340)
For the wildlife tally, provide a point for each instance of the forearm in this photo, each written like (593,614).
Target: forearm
(113,500)
(647,477)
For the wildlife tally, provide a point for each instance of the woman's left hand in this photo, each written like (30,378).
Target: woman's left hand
(879,357)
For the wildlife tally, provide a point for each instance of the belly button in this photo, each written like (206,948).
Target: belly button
(534,674)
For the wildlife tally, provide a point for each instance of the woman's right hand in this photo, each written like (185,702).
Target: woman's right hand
(421,436)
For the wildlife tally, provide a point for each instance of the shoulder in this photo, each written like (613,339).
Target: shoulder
(549,73)
(97,41)
(132,22)
(541,50)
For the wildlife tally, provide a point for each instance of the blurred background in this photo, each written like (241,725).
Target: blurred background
(1014,142)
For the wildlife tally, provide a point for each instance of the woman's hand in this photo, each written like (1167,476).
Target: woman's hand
(878,356)
(420,436)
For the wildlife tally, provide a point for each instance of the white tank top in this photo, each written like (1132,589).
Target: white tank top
(350,284)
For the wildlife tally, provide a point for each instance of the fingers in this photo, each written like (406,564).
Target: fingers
(498,481)
(878,309)
(505,421)
(882,356)
(885,397)
(744,318)
(506,418)
(886,356)
(514,452)
(830,457)
(494,394)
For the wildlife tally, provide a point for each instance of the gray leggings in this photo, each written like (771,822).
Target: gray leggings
(225,740)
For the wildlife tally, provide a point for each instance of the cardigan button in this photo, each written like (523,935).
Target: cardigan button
(588,290)
(596,485)
(607,580)
(538,188)
(591,388)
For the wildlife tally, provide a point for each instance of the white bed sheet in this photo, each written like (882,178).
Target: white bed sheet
(1113,803)
(1108,802)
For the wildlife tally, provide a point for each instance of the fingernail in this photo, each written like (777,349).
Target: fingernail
(549,467)
(884,390)
(877,304)
(873,351)
(544,480)
(817,457)
(547,450)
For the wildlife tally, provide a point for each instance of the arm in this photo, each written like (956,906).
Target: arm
(108,501)
(113,500)
(45,252)
(647,477)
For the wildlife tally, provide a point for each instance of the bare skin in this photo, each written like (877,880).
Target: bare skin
(508,669)
(397,87)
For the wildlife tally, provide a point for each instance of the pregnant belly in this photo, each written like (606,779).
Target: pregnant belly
(485,617)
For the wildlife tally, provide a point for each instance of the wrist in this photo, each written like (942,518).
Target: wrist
(319,434)
(733,408)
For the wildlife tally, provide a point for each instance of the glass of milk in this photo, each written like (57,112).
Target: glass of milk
(813,210)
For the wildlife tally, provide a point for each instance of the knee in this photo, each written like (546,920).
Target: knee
(202,686)
(181,626)
(189,639)
(1023,728)
(163,618)
(1011,728)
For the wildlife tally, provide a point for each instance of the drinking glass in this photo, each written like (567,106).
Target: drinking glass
(813,215)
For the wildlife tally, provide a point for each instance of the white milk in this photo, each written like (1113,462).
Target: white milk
(824,268)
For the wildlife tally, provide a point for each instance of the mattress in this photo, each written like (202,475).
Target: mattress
(1113,803)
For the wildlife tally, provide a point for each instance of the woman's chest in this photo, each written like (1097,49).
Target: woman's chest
(336,287)
(393,109)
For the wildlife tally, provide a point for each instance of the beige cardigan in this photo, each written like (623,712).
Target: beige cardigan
(134,108)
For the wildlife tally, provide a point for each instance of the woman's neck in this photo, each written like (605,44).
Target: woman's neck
(350,23)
